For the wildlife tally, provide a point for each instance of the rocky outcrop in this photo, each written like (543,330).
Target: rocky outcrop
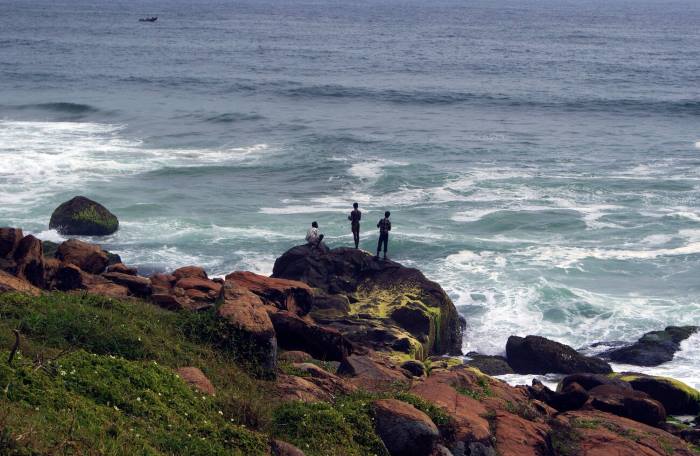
(538,355)
(88,257)
(653,348)
(676,397)
(405,430)
(280,448)
(295,333)
(249,326)
(83,217)
(371,373)
(635,405)
(9,240)
(196,378)
(375,303)
(289,295)
(29,260)
(137,285)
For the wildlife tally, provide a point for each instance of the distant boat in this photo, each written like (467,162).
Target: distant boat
(148,19)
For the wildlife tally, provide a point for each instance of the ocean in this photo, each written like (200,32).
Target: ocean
(541,159)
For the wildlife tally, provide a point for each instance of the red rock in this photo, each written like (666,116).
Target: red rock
(607,434)
(516,436)
(190,271)
(196,378)
(284,294)
(88,257)
(195,294)
(29,257)
(137,285)
(109,289)
(122,268)
(203,285)
(11,283)
(293,388)
(405,430)
(68,276)
(9,240)
(246,315)
(635,405)
(170,301)
(328,382)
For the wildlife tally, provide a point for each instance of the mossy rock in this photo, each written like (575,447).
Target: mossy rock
(676,397)
(82,216)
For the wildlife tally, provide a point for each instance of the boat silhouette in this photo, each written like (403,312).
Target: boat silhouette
(148,19)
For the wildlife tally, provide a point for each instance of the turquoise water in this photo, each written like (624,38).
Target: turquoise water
(541,160)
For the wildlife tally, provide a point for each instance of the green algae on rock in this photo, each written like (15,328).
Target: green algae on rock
(388,307)
(82,216)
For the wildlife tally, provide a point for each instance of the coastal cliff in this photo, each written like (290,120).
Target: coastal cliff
(335,354)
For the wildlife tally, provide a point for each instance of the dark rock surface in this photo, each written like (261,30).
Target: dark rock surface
(82,216)
(653,348)
(538,355)
(489,365)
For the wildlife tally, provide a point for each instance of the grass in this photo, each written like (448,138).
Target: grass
(564,440)
(91,214)
(113,352)
(482,390)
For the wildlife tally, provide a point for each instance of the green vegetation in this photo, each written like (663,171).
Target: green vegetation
(565,440)
(523,410)
(95,376)
(482,390)
(90,214)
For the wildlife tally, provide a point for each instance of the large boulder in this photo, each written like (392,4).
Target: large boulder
(676,397)
(405,430)
(83,217)
(635,405)
(250,329)
(538,355)
(29,260)
(653,348)
(137,285)
(88,257)
(590,381)
(379,294)
(490,365)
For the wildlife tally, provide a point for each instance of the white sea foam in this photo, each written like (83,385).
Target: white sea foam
(38,159)
(697,144)
(371,169)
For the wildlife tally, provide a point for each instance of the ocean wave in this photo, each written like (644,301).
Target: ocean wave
(231,117)
(61,107)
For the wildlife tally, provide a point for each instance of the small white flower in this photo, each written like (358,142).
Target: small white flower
(116,408)
(221,413)
(138,399)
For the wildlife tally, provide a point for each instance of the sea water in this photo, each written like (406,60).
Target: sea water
(540,159)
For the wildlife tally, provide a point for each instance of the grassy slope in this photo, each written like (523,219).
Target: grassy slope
(95,376)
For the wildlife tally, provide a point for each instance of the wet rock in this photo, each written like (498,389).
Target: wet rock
(590,381)
(82,216)
(537,355)
(571,397)
(405,430)
(294,333)
(676,397)
(490,365)
(635,405)
(88,257)
(653,348)
(196,378)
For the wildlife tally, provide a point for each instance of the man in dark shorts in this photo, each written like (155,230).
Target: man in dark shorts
(384,226)
(354,218)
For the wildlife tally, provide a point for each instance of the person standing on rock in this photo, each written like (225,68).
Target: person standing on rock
(384,226)
(313,237)
(354,218)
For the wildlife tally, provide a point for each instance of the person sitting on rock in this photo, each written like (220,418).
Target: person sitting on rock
(313,237)
(384,226)
(354,218)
